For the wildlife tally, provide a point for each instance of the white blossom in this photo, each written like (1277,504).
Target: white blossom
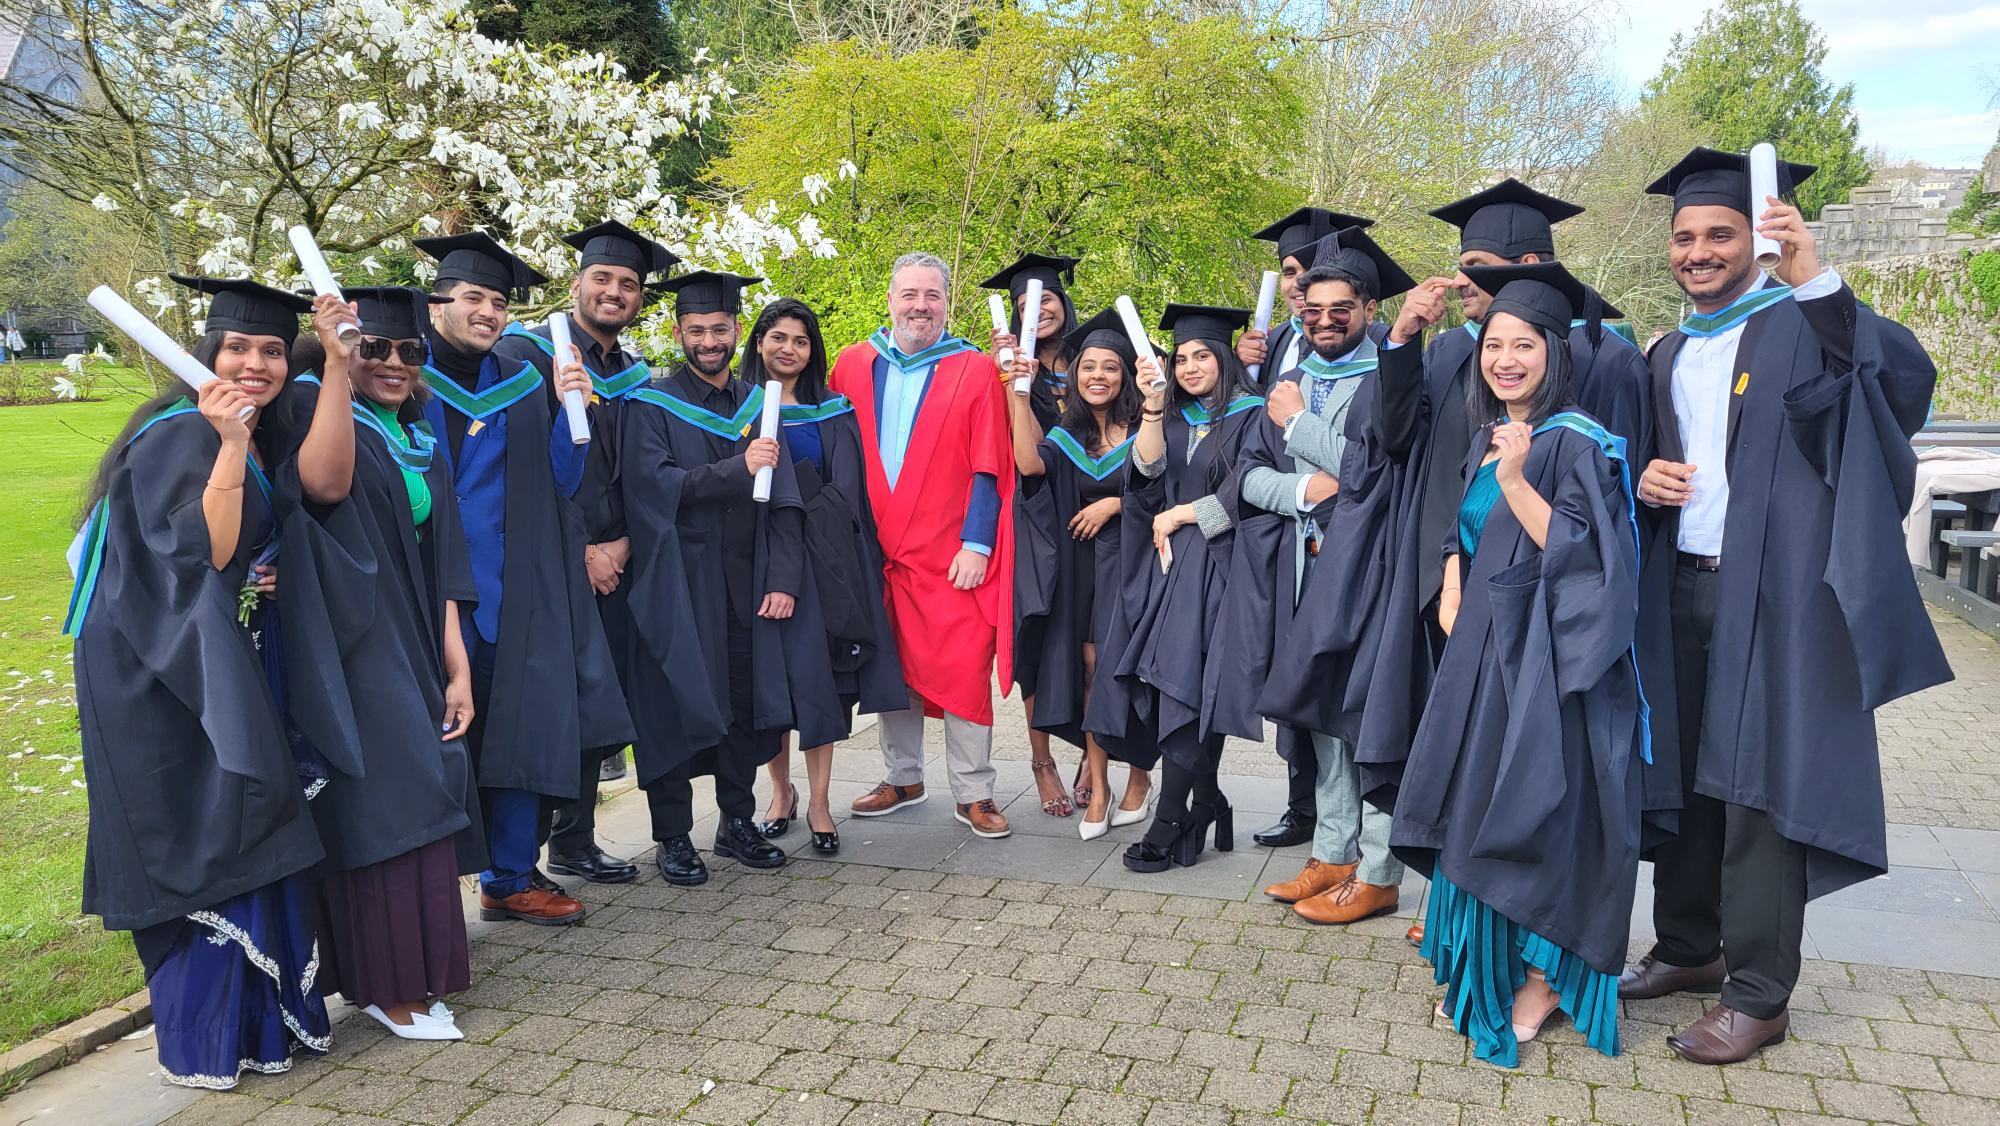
(104,202)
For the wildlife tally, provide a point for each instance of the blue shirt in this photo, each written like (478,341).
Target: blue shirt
(899,395)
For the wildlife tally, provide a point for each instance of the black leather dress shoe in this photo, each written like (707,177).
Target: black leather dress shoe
(540,879)
(1291,829)
(612,768)
(680,863)
(1650,977)
(595,865)
(738,839)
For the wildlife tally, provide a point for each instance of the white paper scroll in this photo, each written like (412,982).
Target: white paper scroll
(559,336)
(1031,329)
(1267,294)
(1763,186)
(318,273)
(157,344)
(997,305)
(1135,329)
(774,397)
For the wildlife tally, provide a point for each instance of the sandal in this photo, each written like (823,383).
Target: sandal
(1058,806)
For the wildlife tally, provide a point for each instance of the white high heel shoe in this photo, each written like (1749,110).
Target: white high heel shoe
(1134,816)
(1091,830)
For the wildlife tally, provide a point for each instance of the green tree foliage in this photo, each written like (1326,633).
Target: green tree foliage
(635,32)
(1143,142)
(1752,72)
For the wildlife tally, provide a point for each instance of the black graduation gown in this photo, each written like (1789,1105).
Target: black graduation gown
(1166,656)
(1355,663)
(1818,621)
(596,514)
(683,485)
(1064,588)
(194,791)
(1283,337)
(1523,782)
(870,677)
(1423,416)
(360,579)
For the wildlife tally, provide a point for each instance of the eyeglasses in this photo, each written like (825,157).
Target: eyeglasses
(412,352)
(1339,316)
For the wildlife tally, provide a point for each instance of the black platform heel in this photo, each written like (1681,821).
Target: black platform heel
(1225,828)
(1195,835)
(1156,851)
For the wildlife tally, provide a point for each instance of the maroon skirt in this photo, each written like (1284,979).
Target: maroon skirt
(394,932)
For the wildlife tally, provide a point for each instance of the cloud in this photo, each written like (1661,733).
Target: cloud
(1948,31)
(1934,134)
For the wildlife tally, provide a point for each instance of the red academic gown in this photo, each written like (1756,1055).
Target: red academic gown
(949,638)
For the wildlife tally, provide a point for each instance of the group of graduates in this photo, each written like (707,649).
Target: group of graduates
(360,616)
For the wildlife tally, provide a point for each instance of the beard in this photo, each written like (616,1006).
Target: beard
(916,338)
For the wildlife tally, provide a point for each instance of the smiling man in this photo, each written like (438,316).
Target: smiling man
(1776,609)
(941,483)
(512,463)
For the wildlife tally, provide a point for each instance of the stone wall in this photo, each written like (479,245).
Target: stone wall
(1951,300)
(1873,224)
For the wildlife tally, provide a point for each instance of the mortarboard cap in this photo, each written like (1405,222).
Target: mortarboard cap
(1509,219)
(706,291)
(1105,330)
(1054,270)
(476,258)
(1711,177)
(1352,252)
(394,312)
(1545,294)
(1296,233)
(611,243)
(250,307)
(1203,322)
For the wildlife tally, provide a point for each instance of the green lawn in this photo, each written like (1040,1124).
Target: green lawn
(55,965)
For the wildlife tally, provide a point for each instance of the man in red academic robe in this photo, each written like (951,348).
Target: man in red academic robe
(941,484)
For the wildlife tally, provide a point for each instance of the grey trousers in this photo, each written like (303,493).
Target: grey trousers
(1349,828)
(968,752)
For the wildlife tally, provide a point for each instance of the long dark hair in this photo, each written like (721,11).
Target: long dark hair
(1554,393)
(811,385)
(1081,421)
(1233,379)
(1056,342)
(206,350)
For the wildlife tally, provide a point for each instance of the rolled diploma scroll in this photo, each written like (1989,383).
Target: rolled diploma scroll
(314,264)
(997,305)
(774,394)
(1763,185)
(157,344)
(1266,295)
(1031,328)
(579,423)
(1142,347)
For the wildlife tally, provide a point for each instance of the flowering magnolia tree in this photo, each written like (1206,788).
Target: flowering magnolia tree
(206,128)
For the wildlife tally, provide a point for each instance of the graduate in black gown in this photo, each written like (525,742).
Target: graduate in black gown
(1777,611)
(1050,388)
(1066,576)
(1271,356)
(822,437)
(728,648)
(514,468)
(1159,689)
(1521,797)
(606,296)
(383,577)
(199,831)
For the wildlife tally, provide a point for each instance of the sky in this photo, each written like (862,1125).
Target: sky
(1924,71)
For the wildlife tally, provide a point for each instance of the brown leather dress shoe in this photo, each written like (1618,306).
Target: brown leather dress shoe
(1349,901)
(535,905)
(1724,1035)
(1653,978)
(887,798)
(984,819)
(1316,877)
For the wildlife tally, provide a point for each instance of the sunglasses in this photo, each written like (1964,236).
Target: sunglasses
(1338,318)
(413,352)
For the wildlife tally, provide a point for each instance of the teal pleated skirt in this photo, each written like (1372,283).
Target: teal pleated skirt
(1481,957)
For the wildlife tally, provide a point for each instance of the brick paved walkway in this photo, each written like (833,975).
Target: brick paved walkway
(916,983)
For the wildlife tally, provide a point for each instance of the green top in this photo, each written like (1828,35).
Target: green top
(419,488)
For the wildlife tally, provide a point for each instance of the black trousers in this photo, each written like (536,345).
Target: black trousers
(1301,777)
(573,824)
(1730,884)
(733,762)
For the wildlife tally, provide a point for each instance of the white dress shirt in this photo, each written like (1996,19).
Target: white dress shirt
(1705,374)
